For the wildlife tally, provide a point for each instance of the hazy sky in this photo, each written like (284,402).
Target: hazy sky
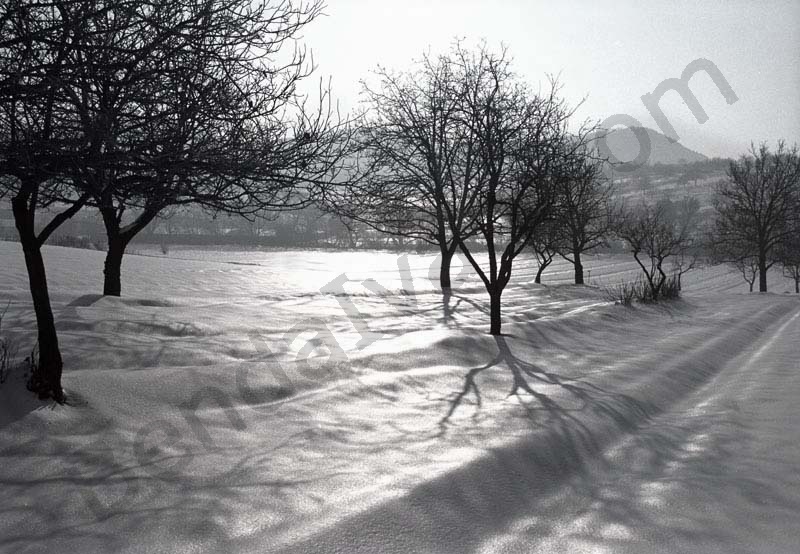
(612,52)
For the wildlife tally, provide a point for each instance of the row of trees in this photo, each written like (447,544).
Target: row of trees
(754,225)
(132,107)
(458,150)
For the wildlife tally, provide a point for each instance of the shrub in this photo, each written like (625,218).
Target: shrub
(622,293)
(640,290)
(670,290)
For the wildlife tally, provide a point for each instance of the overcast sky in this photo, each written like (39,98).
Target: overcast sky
(613,52)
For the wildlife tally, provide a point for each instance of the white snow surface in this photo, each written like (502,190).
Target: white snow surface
(335,402)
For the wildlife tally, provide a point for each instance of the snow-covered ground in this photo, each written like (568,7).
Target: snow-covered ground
(337,402)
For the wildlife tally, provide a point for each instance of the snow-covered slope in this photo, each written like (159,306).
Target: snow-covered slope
(224,403)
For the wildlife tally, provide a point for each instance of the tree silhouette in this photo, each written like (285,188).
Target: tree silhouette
(585,210)
(38,142)
(181,105)
(133,107)
(756,206)
(415,149)
(522,147)
(655,234)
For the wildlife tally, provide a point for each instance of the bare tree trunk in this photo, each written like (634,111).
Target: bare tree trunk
(494,315)
(118,240)
(444,269)
(112,270)
(46,377)
(751,283)
(542,267)
(578,267)
(762,272)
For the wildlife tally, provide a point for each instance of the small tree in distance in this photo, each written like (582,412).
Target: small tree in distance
(415,150)
(686,213)
(739,256)
(654,235)
(546,245)
(584,208)
(747,266)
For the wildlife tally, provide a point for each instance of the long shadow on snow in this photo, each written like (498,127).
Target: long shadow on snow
(462,509)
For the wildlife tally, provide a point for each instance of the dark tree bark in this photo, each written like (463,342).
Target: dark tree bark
(495,318)
(45,379)
(118,239)
(542,266)
(762,272)
(576,260)
(112,269)
(444,271)
(545,245)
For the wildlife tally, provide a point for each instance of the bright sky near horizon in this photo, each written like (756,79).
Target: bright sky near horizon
(611,52)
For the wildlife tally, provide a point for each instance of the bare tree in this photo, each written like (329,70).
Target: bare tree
(136,106)
(654,235)
(748,267)
(37,141)
(686,215)
(520,143)
(546,244)
(585,210)
(757,204)
(181,105)
(741,257)
(414,149)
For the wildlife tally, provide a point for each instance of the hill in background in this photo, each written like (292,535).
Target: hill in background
(624,145)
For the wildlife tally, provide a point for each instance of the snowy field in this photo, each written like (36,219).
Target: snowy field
(337,402)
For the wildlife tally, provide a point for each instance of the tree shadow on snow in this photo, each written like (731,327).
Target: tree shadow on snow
(623,409)
(460,510)
(521,486)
